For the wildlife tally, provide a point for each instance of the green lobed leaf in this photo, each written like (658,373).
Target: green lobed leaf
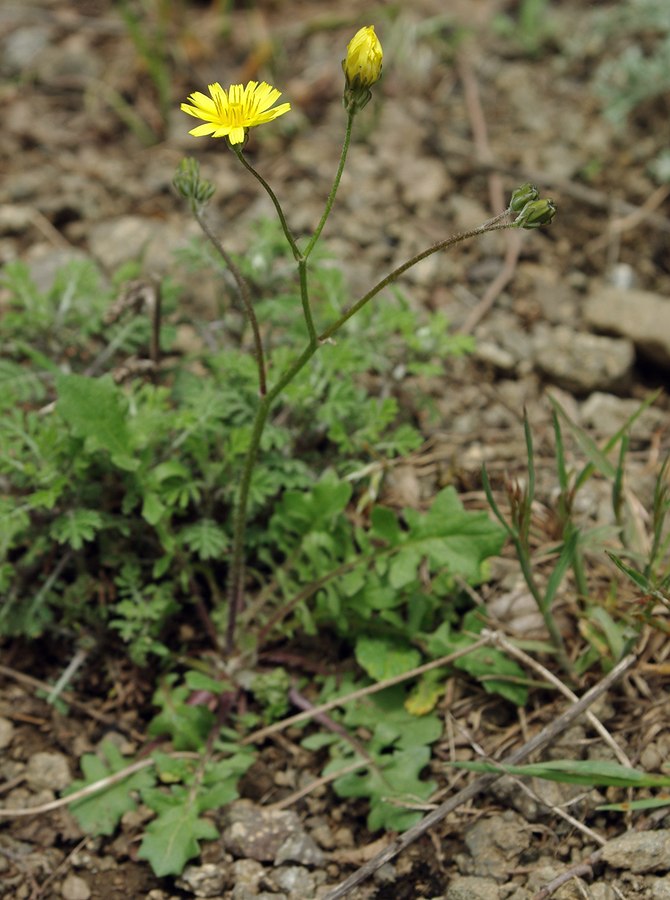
(94,408)
(172,838)
(393,784)
(102,812)
(385,657)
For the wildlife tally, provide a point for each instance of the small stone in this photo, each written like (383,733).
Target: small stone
(296,881)
(6,732)
(301,848)
(641,316)
(496,843)
(601,891)
(582,363)
(48,771)
(639,851)
(75,888)
(207,880)
(255,833)
(466,887)
(660,889)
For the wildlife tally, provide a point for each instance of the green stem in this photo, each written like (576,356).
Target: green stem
(555,635)
(275,202)
(304,296)
(333,190)
(245,296)
(396,273)
(236,572)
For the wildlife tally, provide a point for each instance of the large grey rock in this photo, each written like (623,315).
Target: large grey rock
(641,316)
(582,363)
(639,851)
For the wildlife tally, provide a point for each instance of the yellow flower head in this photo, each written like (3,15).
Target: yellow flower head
(363,65)
(231,113)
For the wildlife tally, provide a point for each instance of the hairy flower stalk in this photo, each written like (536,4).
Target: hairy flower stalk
(232,113)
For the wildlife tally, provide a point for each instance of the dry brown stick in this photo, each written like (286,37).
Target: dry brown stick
(548,734)
(484,155)
(585,867)
(499,283)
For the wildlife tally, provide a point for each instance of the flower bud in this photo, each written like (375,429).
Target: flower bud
(362,68)
(190,186)
(535,214)
(522,195)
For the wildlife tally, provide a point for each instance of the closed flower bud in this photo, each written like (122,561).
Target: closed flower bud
(535,214)
(190,185)
(522,195)
(362,68)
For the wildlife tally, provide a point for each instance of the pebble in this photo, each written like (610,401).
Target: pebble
(643,317)
(468,887)
(75,888)
(48,771)
(639,851)
(6,732)
(660,889)
(296,881)
(496,843)
(255,833)
(302,848)
(582,363)
(207,880)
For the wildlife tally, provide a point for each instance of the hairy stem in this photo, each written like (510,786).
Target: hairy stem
(333,190)
(494,225)
(245,296)
(275,202)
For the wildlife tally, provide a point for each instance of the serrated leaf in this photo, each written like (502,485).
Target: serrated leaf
(76,527)
(384,657)
(152,508)
(401,729)
(172,839)
(483,663)
(394,781)
(205,538)
(94,409)
(101,813)
(187,725)
(447,536)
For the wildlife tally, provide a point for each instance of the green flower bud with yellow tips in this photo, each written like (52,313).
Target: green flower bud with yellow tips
(522,195)
(191,186)
(362,68)
(535,214)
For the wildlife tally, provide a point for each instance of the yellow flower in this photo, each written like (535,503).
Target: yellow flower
(231,113)
(363,65)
